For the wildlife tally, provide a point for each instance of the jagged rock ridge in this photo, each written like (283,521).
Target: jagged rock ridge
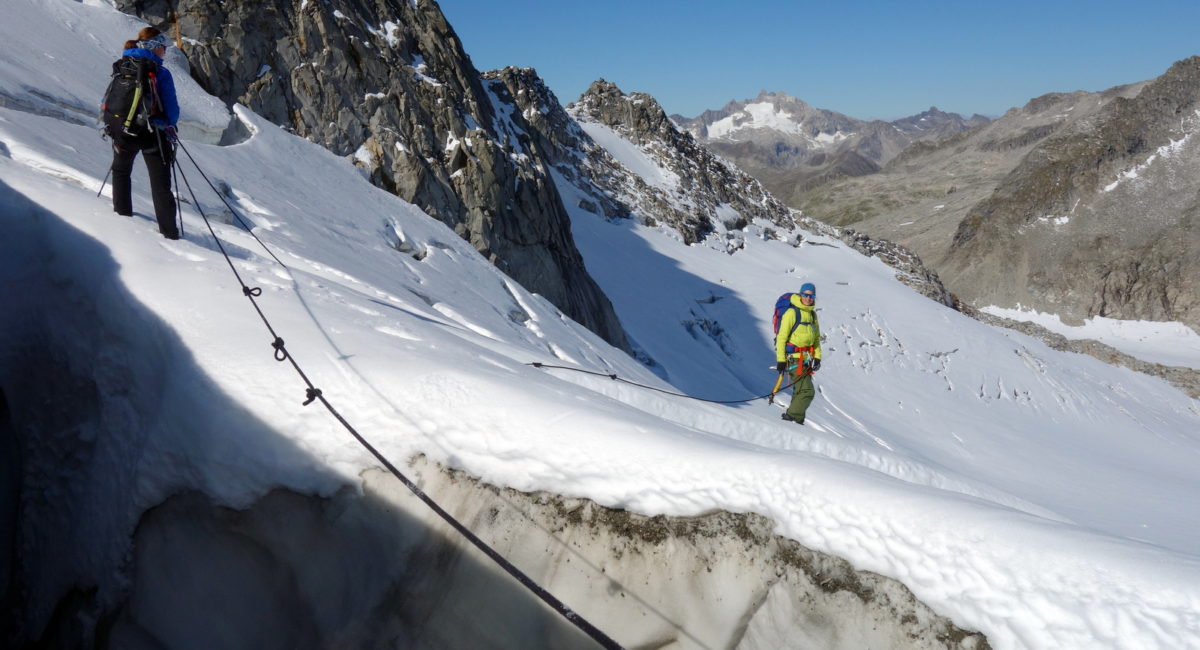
(706,184)
(389,84)
(711,182)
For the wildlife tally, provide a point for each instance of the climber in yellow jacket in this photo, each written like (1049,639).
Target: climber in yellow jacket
(798,349)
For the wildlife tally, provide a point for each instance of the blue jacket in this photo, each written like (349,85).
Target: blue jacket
(166,84)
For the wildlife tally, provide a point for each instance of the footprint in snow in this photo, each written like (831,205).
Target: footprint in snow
(175,247)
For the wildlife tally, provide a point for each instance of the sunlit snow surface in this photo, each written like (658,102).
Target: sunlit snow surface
(1046,499)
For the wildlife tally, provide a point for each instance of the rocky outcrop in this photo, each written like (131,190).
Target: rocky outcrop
(1100,220)
(706,190)
(1052,206)
(559,140)
(793,147)
(388,85)
(910,270)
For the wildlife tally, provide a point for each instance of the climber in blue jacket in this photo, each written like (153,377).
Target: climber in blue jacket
(138,123)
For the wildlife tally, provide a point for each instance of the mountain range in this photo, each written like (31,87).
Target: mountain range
(1077,204)
(791,146)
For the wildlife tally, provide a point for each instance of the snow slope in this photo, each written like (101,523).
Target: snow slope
(1043,498)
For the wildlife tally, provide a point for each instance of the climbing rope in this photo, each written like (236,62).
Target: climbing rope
(614,377)
(312,393)
(220,195)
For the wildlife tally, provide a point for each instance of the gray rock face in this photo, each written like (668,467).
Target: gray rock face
(1080,204)
(705,182)
(792,147)
(911,271)
(388,83)
(1102,219)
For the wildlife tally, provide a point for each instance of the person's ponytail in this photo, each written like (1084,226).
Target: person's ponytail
(145,34)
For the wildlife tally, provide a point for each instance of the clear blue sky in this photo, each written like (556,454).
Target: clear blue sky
(865,59)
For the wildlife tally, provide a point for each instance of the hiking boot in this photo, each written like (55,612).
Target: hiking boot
(787,418)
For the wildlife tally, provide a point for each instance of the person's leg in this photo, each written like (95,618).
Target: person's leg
(802,395)
(122,167)
(158,164)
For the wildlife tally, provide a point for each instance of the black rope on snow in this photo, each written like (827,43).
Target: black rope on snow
(232,211)
(312,393)
(538,364)
(547,597)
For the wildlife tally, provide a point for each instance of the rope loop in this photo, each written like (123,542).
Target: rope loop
(251,293)
(280,353)
(312,394)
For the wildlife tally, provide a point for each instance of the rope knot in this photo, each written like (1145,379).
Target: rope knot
(280,353)
(311,394)
(251,293)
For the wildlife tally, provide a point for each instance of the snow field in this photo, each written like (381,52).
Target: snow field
(1043,498)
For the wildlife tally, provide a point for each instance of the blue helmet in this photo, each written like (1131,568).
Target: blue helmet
(809,288)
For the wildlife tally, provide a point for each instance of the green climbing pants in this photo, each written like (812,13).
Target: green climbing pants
(802,395)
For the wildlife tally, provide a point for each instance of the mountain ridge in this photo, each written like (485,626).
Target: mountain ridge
(791,146)
(1078,204)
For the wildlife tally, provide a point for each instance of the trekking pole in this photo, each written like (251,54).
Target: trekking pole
(178,196)
(166,142)
(105,181)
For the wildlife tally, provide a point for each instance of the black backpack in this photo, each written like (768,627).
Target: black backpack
(132,98)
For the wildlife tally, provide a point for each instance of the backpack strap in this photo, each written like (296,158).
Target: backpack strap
(788,347)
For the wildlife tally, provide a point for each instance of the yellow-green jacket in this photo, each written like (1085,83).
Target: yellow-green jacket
(805,332)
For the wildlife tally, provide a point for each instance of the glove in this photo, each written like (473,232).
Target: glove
(781,367)
(167,130)
(816,365)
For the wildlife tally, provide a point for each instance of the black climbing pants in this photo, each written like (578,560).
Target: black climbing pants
(158,154)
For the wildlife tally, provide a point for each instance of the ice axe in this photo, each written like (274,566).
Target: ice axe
(778,383)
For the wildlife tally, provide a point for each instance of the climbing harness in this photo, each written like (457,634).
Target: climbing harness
(312,393)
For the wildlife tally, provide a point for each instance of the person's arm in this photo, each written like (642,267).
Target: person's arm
(166,94)
(816,346)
